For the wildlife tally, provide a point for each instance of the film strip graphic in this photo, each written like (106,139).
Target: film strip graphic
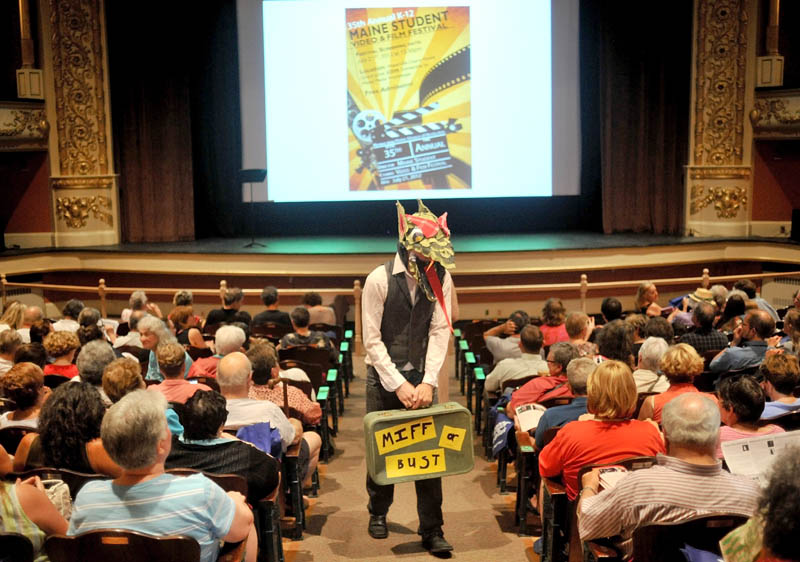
(448,72)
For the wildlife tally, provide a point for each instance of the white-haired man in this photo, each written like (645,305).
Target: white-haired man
(235,377)
(146,499)
(686,483)
(646,376)
(227,339)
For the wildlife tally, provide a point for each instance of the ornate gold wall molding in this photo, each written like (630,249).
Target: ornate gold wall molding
(727,200)
(776,115)
(77,62)
(721,59)
(87,182)
(23,127)
(74,211)
(719,173)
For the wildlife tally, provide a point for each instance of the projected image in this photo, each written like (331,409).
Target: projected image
(408,98)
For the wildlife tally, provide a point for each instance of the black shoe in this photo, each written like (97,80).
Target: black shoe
(377,527)
(435,544)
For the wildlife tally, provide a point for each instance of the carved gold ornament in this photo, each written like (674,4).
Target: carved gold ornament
(75,210)
(727,200)
(721,66)
(28,123)
(772,109)
(78,77)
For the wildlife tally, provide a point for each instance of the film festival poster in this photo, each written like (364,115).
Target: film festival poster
(408,103)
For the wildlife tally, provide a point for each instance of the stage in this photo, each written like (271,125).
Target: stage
(493,273)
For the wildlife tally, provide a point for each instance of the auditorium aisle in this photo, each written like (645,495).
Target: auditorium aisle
(478,520)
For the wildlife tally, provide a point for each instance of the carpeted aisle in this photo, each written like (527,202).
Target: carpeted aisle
(478,521)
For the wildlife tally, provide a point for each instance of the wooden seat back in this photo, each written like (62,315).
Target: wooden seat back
(662,543)
(120,546)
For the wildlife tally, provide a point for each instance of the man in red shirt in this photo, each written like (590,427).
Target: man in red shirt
(546,387)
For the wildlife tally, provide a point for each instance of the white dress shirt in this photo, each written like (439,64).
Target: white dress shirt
(372,301)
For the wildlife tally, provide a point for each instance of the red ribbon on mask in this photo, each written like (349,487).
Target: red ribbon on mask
(433,280)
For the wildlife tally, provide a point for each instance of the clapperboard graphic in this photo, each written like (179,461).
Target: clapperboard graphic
(411,150)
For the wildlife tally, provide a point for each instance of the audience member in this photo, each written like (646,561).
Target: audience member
(10,340)
(61,348)
(69,317)
(704,337)
(39,330)
(69,430)
(269,296)
(748,345)
(579,328)
(231,309)
(552,385)
(658,327)
(610,436)
(183,298)
(686,483)
(720,295)
(741,403)
(318,314)
(646,376)
(637,323)
(92,361)
(144,498)
(732,314)
(120,377)
(578,372)
(611,309)
(780,508)
(791,327)
(646,301)
(175,388)
(26,510)
(292,373)
(139,303)
(24,385)
(186,331)
(32,315)
(203,446)
(781,377)
(680,364)
(153,333)
(227,339)
(133,338)
(508,347)
(529,363)
(302,335)
(12,318)
(234,375)
(553,328)
(615,341)
(749,288)
(267,385)
(89,333)
(31,353)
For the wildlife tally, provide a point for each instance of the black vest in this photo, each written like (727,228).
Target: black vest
(404,327)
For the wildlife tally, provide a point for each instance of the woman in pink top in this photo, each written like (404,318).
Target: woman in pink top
(741,401)
(553,328)
(680,365)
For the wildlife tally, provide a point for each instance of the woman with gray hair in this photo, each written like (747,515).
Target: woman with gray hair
(138,301)
(154,332)
(647,377)
(147,500)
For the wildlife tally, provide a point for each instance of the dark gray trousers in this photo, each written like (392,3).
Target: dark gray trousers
(429,491)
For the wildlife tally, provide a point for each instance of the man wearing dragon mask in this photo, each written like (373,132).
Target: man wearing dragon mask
(406,329)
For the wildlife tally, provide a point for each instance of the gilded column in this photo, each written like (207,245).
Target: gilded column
(719,175)
(83,184)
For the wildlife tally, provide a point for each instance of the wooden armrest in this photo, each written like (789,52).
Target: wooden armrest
(524,440)
(554,487)
(601,550)
(232,551)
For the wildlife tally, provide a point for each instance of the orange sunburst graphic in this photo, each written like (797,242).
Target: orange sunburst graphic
(408,80)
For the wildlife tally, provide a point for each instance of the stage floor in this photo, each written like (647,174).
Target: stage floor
(328,245)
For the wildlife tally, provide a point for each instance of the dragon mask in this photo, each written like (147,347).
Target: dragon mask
(424,241)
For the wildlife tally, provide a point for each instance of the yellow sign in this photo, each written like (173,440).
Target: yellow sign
(405,434)
(410,464)
(452,437)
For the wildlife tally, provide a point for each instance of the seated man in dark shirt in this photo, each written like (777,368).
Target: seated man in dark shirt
(303,336)
(269,296)
(204,447)
(705,337)
(230,312)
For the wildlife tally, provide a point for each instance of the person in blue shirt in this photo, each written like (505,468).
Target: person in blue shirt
(578,371)
(749,344)
(781,376)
